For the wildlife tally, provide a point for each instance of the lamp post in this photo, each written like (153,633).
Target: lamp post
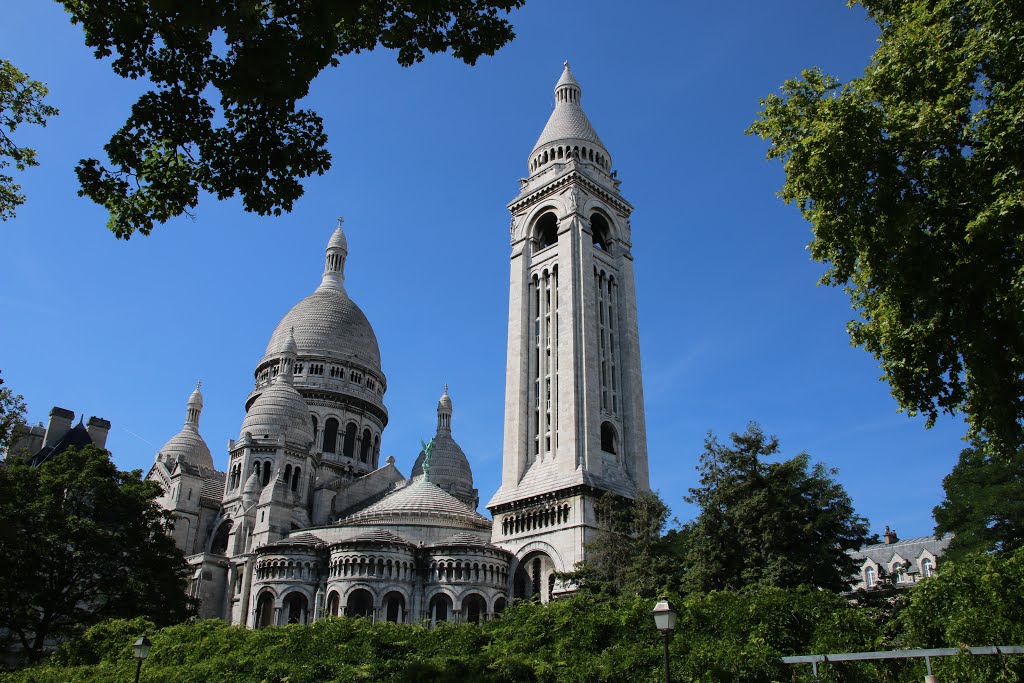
(665,620)
(142,647)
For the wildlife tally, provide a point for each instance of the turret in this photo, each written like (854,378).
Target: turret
(334,266)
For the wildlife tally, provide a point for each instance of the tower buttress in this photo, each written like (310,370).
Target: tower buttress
(574,413)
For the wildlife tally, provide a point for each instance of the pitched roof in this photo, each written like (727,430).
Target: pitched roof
(419,498)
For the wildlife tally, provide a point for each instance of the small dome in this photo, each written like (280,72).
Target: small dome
(189,447)
(445,403)
(328,323)
(279,410)
(338,239)
(449,467)
(196,399)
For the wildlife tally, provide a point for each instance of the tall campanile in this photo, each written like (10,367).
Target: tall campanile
(574,407)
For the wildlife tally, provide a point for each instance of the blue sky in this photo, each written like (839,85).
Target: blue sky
(732,325)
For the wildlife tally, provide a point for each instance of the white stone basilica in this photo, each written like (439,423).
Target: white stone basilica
(306,522)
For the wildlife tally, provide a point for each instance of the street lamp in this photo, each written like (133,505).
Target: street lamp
(665,620)
(142,647)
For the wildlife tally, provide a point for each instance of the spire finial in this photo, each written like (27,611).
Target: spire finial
(446,387)
(566,64)
(341,219)
(199,385)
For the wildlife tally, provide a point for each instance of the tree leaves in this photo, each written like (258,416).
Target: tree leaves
(21,101)
(222,116)
(911,178)
(82,541)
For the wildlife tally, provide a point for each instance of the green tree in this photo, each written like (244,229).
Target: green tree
(984,503)
(12,416)
(21,101)
(912,178)
(631,553)
(975,601)
(223,116)
(82,541)
(781,524)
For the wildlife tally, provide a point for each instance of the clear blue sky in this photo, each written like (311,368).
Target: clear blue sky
(732,325)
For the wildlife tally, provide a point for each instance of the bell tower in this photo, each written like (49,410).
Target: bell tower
(574,409)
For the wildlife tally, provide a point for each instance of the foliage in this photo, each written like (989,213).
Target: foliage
(21,101)
(12,413)
(975,601)
(724,637)
(82,541)
(984,503)
(222,115)
(911,177)
(782,524)
(630,553)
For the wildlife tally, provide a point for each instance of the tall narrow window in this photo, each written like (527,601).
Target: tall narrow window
(350,440)
(331,436)
(364,446)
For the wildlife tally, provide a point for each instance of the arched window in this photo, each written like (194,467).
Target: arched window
(265,610)
(316,425)
(266,473)
(440,608)
(295,479)
(350,440)
(333,603)
(546,231)
(360,603)
(927,567)
(219,544)
(331,436)
(474,608)
(394,607)
(295,606)
(870,577)
(287,473)
(258,468)
(599,231)
(365,445)
(499,606)
(376,451)
(608,438)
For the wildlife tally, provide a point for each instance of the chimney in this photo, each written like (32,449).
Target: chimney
(98,429)
(60,423)
(889,536)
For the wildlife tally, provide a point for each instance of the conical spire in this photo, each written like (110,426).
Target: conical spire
(444,412)
(194,408)
(334,265)
(569,133)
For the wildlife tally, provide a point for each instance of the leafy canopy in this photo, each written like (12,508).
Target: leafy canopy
(984,503)
(21,101)
(783,524)
(631,553)
(912,178)
(222,115)
(82,541)
(12,417)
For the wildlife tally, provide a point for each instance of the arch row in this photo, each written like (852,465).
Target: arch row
(552,515)
(366,566)
(349,442)
(563,152)
(277,569)
(458,571)
(307,368)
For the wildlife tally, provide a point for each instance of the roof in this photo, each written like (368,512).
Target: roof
(463,538)
(188,445)
(213,480)
(76,437)
(909,549)
(279,411)
(378,536)
(567,121)
(328,323)
(419,498)
(300,540)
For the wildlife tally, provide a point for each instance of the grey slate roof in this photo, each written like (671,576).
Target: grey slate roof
(909,549)
(76,437)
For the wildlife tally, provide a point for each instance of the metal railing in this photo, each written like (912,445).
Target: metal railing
(927,655)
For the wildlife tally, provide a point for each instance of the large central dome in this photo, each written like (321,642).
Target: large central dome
(328,323)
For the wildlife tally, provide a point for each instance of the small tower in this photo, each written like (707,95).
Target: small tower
(574,412)
(194,408)
(334,266)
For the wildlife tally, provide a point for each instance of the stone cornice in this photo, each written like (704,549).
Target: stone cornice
(573,176)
